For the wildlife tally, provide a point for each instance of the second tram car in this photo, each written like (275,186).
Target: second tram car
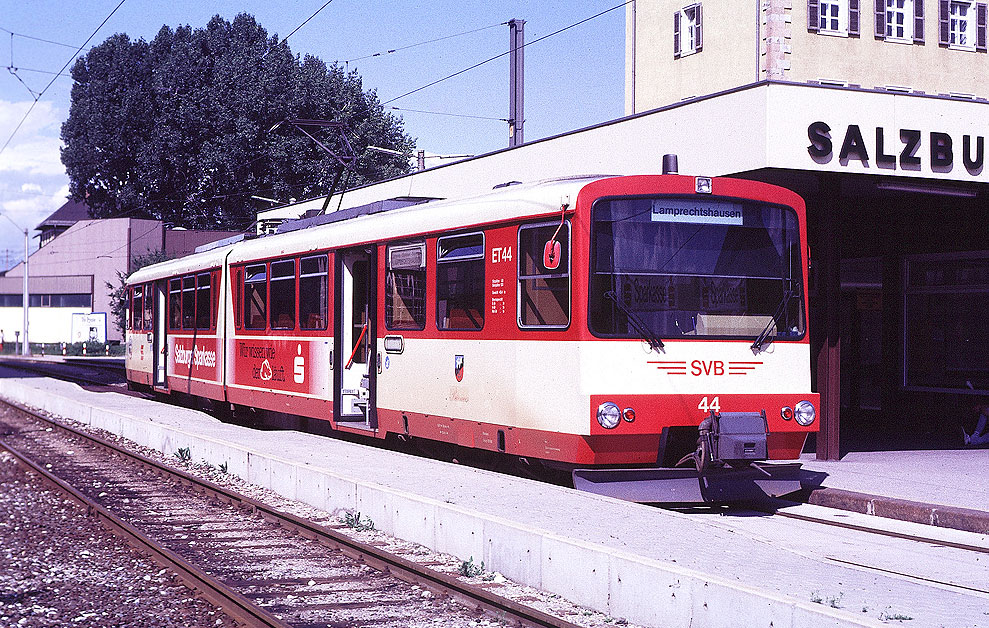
(587,322)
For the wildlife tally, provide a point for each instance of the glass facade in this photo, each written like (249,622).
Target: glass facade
(946,329)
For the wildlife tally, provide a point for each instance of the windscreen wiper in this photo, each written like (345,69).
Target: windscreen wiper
(761,338)
(647,334)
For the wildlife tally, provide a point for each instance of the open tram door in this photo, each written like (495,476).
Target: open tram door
(354,332)
(159,342)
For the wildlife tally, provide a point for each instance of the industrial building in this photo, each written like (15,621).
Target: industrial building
(68,274)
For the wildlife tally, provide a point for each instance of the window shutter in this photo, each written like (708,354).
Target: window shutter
(699,30)
(853,18)
(981,9)
(918,21)
(942,23)
(813,15)
(880,19)
(676,35)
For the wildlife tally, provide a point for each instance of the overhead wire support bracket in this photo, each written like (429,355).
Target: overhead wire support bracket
(345,156)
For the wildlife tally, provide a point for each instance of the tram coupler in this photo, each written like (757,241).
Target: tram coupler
(733,438)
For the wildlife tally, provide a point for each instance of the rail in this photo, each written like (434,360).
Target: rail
(476,597)
(236,606)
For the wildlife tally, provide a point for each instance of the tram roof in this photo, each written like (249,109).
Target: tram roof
(512,202)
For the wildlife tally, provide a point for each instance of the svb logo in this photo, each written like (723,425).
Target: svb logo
(458,367)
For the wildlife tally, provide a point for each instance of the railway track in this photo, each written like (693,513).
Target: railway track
(263,567)
(883,531)
(91,372)
(952,560)
(108,373)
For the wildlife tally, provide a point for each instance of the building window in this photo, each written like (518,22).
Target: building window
(833,17)
(959,29)
(460,282)
(897,19)
(57,300)
(900,20)
(962,24)
(687,31)
(405,287)
(544,275)
(313,291)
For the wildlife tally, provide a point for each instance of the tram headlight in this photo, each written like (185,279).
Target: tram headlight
(804,413)
(609,415)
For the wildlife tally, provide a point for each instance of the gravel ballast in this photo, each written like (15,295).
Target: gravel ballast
(59,567)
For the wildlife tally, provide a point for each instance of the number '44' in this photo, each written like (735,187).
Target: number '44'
(706,407)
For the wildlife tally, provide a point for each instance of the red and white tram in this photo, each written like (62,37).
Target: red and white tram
(590,321)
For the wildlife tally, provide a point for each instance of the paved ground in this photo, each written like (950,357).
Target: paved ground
(655,567)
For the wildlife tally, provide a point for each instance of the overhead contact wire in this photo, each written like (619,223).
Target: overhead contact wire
(507,52)
(423,43)
(71,59)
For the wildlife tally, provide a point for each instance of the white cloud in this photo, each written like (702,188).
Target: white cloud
(34,149)
(44,117)
(36,156)
(24,205)
(28,211)
(33,183)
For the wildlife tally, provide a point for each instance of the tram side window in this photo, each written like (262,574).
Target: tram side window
(238,285)
(175,304)
(460,282)
(148,307)
(189,302)
(405,287)
(204,300)
(313,291)
(283,294)
(137,309)
(255,296)
(544,275)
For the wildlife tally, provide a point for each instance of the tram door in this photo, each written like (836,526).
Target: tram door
(355,333)
(160,344)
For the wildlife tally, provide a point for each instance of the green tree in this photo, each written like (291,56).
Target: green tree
(179,128)
(118,290)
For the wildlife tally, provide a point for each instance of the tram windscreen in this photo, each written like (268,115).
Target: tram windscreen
(695,266)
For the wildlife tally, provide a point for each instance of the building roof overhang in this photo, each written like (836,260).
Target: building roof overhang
(765,125)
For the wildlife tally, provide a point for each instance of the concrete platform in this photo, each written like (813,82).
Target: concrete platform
(649,566)
(947,488)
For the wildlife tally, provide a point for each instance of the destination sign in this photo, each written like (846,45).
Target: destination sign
(696,212)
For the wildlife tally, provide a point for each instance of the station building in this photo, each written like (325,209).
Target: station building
(889,153)
(878,116)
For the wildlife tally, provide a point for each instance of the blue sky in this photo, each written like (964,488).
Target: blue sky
(572,80)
